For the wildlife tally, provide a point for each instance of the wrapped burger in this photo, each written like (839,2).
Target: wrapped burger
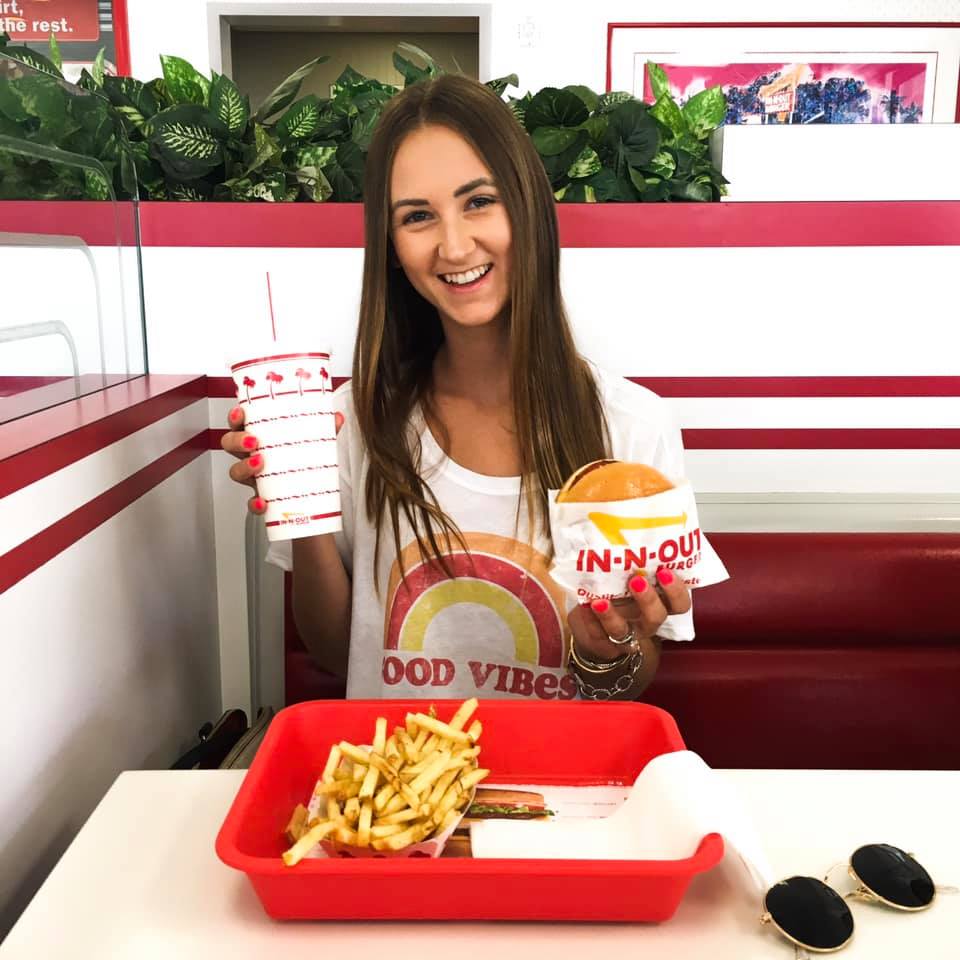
(613,520)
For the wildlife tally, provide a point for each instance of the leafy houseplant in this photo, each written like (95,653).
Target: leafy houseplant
(186,137)
(614,147)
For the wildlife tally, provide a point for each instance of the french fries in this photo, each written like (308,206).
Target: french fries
(308,841)
(403,789)
(297,824)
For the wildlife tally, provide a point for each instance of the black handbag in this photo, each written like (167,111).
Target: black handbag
(216,741)
(245,749)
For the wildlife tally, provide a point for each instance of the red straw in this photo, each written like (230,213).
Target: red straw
(273,324)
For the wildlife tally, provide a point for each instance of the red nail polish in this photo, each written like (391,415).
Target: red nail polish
(638,584)
(259,504)
(249,443)
(255,462)
(665,577)
(235,413)
(600,606)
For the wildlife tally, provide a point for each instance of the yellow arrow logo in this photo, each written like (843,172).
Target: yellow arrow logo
(292,516)
(612,526)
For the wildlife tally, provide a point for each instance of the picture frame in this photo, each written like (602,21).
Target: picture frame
(81,28)
(790,72)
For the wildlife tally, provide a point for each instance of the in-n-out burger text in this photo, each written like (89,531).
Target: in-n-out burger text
(681,553)
(420,671)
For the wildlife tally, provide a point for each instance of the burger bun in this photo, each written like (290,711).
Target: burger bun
(609,480)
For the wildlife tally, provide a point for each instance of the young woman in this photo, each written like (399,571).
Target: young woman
(468,402)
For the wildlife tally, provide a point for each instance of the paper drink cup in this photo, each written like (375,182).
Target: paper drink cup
(287,402)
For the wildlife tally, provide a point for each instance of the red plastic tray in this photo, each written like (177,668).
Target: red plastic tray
(544,744)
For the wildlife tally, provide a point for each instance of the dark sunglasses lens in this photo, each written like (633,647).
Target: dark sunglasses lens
(893,875)
(810,912)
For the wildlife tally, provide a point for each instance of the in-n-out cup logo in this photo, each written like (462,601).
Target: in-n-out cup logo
(287,404)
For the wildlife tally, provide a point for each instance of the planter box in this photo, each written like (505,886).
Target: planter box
(839,161)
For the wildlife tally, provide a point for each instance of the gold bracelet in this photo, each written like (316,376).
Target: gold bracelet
(624,681)
(594,666)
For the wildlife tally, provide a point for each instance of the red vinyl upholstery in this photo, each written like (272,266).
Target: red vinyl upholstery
(823,650)
(303,679)
(830,650)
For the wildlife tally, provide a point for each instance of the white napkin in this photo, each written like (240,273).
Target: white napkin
(675,801)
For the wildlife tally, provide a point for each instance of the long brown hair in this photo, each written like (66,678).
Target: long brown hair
(558,416)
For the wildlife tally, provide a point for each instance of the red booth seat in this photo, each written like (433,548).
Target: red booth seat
(837,650)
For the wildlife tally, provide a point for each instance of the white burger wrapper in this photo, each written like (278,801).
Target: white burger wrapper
(675,801)
(599,546)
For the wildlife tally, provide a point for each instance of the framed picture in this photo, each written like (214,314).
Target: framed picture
(798,72)
(81,29)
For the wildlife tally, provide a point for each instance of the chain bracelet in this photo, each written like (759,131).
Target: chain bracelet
(623,684)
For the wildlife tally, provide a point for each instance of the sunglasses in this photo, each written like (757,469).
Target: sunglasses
(815,917)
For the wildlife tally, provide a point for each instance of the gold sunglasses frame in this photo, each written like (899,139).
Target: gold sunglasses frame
(862,892)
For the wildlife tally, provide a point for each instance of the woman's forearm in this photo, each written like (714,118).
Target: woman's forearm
(322,594)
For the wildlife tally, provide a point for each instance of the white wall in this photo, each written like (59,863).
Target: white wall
(543,42)
(548,48)
(757,312)
(111,658)
(840,161)
(93,291)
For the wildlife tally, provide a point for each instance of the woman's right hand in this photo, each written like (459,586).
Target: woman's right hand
(242,445)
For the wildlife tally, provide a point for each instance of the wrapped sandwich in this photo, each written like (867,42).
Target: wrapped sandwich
(613,520)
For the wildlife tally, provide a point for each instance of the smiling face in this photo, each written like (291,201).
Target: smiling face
(449,227)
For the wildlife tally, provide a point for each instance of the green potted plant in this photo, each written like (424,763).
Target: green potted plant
(189,137)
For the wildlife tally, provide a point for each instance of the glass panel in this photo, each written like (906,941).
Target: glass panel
(71,317)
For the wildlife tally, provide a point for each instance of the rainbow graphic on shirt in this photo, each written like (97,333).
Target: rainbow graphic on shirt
(507,578)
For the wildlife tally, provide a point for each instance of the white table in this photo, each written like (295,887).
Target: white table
(141,880)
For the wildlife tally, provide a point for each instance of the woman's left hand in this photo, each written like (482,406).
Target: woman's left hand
(643,613)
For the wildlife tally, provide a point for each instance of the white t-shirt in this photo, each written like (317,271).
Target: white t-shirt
(500,628)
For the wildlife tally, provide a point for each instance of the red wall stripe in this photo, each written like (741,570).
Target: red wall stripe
(822,439)
(726,387)
(32,395)
(788,438)
(761,224)
(121,37)
(606,225)
(10,386)
(97,223)
(603,225)
(36,446)
(251,225)
(32,554)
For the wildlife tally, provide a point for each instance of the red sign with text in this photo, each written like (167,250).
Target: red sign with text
(68,20)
